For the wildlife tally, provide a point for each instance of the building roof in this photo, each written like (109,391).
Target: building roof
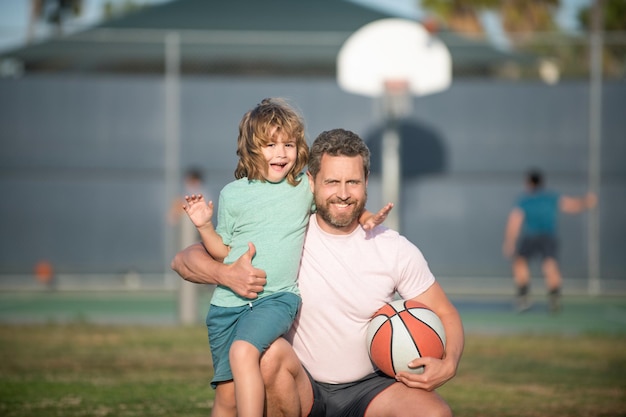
(288,37)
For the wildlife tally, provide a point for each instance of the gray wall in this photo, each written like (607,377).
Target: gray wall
(82,178)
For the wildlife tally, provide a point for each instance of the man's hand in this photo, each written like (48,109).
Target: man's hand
(436,373)
(244,279)
(377,218)
(194,264)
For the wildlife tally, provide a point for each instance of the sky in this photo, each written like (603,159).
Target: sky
(14,16)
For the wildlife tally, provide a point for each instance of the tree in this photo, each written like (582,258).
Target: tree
(460,15)
(530,27)
(518,16)
(614,12)
(611,21)
(528,16)
(53,12)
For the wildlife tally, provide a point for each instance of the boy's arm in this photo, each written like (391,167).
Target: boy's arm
(213,243)
(369,220)
(200,214)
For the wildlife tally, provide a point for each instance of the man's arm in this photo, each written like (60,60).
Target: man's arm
(438,371)
(573,205)
(194,264)
(512,231)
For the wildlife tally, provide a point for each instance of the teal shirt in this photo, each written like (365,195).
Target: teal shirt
(274,217)
(541,209)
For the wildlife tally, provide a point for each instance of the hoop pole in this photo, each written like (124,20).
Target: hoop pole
(397,104)
(595,141)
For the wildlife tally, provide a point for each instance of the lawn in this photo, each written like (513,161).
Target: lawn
(98,370)
(538,375)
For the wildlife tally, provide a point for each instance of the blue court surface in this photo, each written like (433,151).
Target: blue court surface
(481,314)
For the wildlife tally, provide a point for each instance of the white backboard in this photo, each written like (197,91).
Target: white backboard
(393,50)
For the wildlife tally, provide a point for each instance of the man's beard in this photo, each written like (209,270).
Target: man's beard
(344,219)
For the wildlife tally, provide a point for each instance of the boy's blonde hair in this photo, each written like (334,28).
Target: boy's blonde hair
(258,127)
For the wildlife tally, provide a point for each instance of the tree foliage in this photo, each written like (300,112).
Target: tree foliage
(519,16)
(527,16)
(55,11)
(614,16)
(530,26)
(613,22)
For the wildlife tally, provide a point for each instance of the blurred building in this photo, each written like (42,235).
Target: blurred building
(85,127)
(239,37)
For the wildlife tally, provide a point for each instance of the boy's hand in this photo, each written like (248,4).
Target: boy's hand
(198,210)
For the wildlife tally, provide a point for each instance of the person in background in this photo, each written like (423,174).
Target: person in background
(346,274)
(193,183)
(531,232)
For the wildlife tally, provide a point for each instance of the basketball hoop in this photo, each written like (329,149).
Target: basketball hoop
(431,25)
(393,59)
(396,87)
(393,52)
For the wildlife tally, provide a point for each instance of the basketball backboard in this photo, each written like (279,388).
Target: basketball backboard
(393,50)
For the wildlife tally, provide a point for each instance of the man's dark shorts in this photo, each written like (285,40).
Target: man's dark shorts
(541,246)
(347,400)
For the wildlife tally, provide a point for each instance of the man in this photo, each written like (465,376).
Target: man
(532,227)
(346,274)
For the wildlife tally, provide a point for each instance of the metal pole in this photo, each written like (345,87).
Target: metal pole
(187,291)
(391,172)
(187,294)
(172,138)
(595,140)
(396,105)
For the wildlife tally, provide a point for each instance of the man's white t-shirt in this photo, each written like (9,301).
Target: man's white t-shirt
(343,281)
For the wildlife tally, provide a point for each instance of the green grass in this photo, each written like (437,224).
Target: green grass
(539,375)
(90,370)
(83,370)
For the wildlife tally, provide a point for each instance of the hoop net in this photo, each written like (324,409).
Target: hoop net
(396,98)
(396,87)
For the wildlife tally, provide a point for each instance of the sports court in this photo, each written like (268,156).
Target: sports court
(491,314)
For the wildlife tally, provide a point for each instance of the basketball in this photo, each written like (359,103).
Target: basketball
(401,331)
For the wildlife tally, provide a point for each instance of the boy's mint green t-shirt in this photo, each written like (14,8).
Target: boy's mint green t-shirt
(274,217)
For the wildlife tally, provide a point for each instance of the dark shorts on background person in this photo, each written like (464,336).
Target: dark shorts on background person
(541,246)
(347,400)
(259,323)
